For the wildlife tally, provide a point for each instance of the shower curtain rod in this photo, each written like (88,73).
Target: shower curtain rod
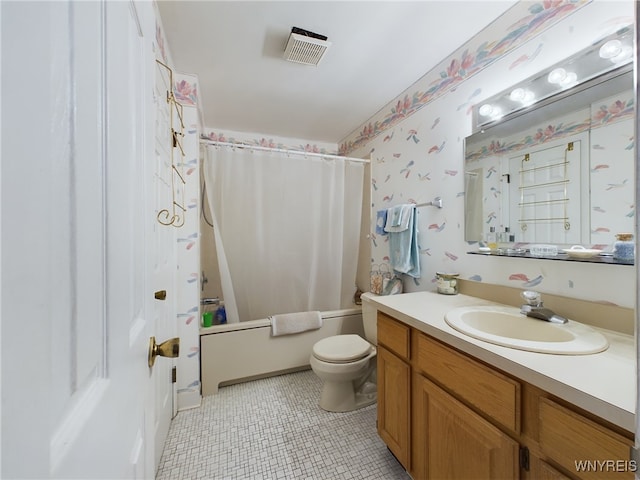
(280,150)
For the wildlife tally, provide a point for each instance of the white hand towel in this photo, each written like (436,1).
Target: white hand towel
(398,217)
(289,323)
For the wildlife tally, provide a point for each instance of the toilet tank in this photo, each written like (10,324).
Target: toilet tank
(369,321)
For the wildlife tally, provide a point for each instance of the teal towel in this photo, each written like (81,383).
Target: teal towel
(403,248)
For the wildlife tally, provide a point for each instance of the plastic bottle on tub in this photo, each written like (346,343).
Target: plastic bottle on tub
(221,314)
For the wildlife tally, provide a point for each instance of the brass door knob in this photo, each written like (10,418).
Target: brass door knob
(169,348)
(160,295)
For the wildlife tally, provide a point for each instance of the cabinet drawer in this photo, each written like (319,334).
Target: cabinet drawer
(393,335)
(580,445)
(490,392)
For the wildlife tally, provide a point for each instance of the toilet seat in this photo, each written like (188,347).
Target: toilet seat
(341,348)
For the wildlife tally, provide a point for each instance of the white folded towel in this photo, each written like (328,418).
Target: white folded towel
(289,323)
(398,217)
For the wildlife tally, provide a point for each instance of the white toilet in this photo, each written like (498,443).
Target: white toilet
(347,366)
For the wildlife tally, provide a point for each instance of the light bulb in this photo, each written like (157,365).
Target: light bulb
(625,53)
(611,49)
(523,96)
(517,95)
(557,75)
(569,79)
(485,110)
(529,97)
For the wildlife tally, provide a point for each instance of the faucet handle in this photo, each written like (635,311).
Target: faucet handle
(532,298)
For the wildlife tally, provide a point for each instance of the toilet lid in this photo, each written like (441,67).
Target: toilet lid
(341,348)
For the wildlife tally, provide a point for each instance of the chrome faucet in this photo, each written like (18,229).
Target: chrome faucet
(533,308)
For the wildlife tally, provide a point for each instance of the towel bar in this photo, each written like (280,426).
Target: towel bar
(437,202)
(210,301)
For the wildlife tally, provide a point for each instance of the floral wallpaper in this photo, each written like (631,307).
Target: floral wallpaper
(187,237)
(161,51)
(603,114)
(253,139)
(186,91)
(548,133)
(466,62)
(416,146)
(612,164)
(188,240)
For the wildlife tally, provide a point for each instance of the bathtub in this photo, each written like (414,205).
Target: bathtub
(238,352)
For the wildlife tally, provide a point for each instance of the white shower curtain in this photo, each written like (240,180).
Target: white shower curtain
(289,228)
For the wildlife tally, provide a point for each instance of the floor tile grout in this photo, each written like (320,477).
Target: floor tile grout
(272,428)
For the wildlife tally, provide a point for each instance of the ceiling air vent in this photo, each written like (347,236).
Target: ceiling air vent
(305,47)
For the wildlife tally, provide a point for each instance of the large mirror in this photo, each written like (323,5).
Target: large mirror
(561,170)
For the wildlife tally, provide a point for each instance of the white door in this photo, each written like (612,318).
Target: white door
(546,181)
(77,295)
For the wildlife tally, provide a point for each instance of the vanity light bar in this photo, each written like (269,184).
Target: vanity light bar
(603,57)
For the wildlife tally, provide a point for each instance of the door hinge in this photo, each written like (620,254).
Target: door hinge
(524,458)
(174,375)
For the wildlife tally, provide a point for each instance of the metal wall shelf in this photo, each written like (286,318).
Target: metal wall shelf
(607,260)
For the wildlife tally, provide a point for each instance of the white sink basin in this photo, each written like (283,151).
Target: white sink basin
(506,326)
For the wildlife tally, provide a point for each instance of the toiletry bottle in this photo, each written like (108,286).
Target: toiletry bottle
(221,314)
(207,319)
(503,239)
(492,241)
(624,248)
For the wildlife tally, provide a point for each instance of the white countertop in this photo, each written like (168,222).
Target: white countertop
(603,383)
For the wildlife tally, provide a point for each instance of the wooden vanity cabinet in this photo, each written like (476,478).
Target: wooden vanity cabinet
(452,395)
(567,437)
(394,387)
(446,415)
(451,441)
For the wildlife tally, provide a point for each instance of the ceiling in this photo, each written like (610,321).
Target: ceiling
(379,49)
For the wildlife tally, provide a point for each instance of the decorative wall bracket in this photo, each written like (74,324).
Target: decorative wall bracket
(175,214)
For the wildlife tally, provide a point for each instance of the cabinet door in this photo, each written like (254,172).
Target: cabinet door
(453,442)
(581,445)
(541,470)
(394,377)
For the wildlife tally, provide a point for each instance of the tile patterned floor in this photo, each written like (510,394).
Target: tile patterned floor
(273,429)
